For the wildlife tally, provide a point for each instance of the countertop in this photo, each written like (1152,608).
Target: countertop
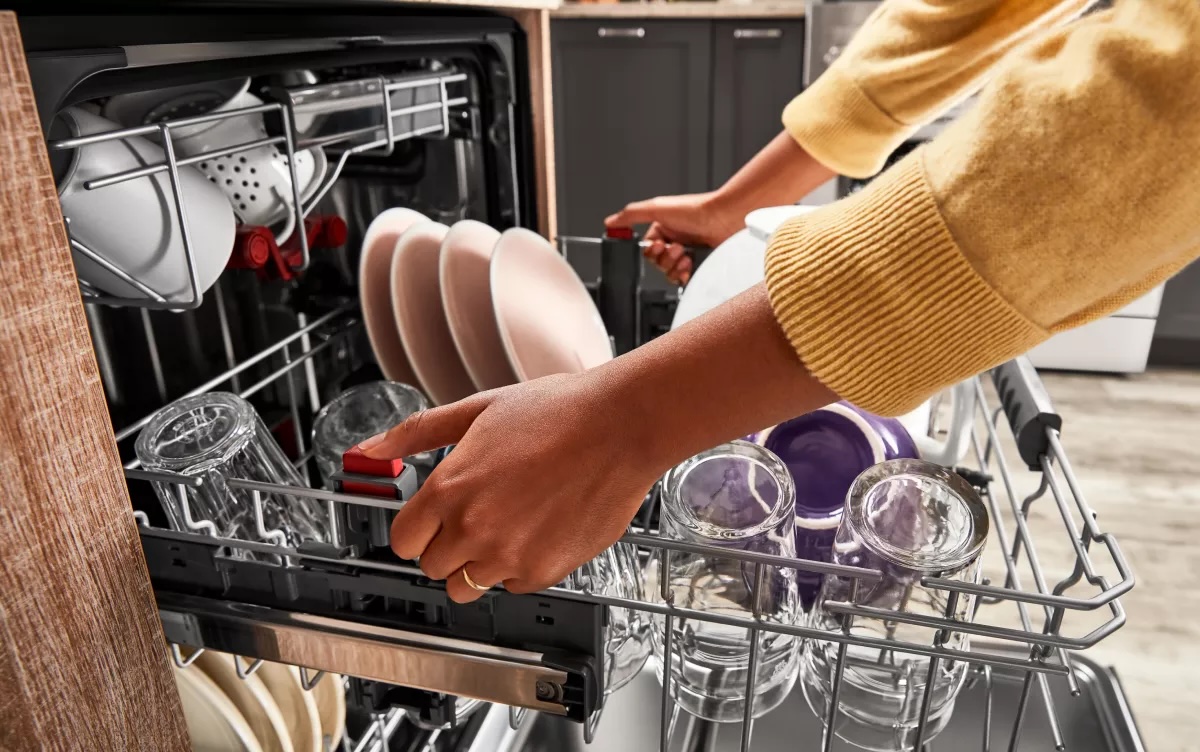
(717,9)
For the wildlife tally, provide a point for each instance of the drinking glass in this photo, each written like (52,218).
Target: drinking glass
(217,436)
(358,414)
(740,497)
(618,572)
(908,519)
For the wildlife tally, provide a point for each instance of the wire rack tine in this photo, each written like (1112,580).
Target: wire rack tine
(180,661)
(114,270)
(185,504)
(185,235)
(839,671)
(752,668)
(141,518)
(590,725)
(516,717)
(1019,722)
(666,722)
(308,682)
(248,670)
(260,526)
(297,205)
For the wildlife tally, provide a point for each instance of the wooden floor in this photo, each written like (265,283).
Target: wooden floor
(1134,443)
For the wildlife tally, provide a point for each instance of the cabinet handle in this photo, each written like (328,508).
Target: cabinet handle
(624,32)
(757,33)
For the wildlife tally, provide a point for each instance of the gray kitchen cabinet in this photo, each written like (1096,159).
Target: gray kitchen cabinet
(632,108)
(757,70)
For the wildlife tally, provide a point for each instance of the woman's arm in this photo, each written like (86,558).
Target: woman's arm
(912,60)
(1058,198)
(548,473)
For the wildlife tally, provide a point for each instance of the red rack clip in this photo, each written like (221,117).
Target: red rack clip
(255,247)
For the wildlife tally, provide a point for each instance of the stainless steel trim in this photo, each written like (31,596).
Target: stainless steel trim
(621,32)
(757,33)
(435,664)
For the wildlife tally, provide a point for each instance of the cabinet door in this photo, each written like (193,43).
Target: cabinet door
(632,118)
(756,72)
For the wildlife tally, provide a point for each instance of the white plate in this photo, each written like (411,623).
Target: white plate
(214,723)
(299,708)
(467,297)
(375,290)
(547,319)
(252,699)
(331,707)
(421,317)
(735,266)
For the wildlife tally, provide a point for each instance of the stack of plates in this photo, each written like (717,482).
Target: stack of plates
(267,711)
(456,310)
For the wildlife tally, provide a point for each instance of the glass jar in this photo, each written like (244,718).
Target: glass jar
(909,519)
(738,497)
(617,572)
(217,436)
(356,415)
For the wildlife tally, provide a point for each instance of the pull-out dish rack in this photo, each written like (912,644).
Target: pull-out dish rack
(365,613)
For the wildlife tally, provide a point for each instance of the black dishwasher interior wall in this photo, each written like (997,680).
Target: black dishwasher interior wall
(480,170)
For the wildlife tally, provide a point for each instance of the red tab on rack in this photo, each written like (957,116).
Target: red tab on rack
(354,461)
(619,233)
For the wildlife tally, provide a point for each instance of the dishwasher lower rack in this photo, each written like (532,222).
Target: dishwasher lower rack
(367,614)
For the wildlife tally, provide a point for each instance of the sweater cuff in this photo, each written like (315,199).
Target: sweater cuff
(839,125)
(880,304)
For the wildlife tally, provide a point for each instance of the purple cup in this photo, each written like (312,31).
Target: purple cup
(825,451)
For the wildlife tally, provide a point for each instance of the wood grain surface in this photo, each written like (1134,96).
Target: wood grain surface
(536,24)
(82,659)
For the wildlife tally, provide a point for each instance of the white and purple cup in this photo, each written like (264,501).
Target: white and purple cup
(825,450)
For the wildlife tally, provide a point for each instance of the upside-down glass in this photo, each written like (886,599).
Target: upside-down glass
(357,414)
(217,436)
(908,519)
(617,572)
(739,497)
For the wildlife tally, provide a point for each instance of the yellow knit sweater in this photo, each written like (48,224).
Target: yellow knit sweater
(1068,190)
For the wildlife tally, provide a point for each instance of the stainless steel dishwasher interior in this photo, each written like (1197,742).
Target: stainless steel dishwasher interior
(1098,720)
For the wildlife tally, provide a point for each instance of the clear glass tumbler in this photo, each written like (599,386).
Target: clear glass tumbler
(217,436)
(739,497)
(908,519)
(358,414)
(617,572)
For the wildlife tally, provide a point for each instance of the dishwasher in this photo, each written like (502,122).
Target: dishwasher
(371,106)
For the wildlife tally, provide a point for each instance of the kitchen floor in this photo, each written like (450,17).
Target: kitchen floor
(1134,443)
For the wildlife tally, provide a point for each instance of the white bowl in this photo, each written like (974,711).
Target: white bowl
(134,224)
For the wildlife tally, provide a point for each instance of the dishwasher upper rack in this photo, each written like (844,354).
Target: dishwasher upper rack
(379,137)
(1035,427)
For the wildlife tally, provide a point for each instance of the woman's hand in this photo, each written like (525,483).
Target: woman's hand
(545,476)
(701,219)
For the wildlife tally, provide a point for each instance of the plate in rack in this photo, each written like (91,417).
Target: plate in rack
(467,298)
(252,699)
(375,291)
(421,318)
(213,721)
(548,322)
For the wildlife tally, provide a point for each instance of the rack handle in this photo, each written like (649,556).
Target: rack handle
(621,32)
(1028,408)
(757,33)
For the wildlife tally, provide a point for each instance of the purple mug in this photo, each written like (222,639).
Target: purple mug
(825,450)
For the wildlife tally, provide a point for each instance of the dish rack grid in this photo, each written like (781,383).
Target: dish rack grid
(369,98)
(1046,608)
